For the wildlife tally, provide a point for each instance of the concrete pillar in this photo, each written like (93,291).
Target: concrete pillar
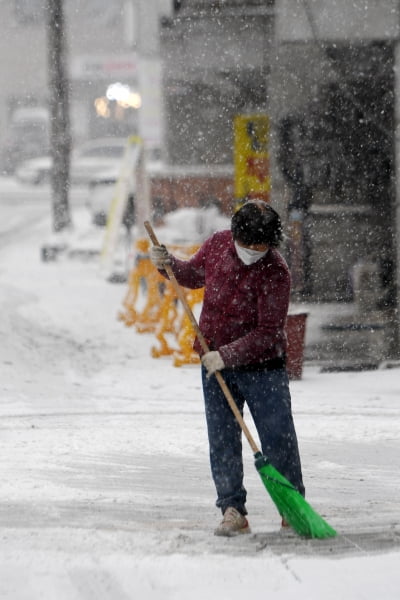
(150,77)
(397,185)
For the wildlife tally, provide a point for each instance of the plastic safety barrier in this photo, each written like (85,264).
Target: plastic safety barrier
(151,306)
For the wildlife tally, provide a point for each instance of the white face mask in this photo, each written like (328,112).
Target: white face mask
(249,256)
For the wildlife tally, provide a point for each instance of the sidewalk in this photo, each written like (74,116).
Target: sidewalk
(106,490)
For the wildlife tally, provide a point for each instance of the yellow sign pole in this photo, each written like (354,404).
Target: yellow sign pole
(131,158)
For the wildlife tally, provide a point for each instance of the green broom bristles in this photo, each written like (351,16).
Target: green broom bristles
(290,503)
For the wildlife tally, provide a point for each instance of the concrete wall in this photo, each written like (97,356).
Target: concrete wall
(216,65)
(337,20)
(319,44)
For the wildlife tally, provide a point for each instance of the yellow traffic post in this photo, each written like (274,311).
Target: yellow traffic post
(149,317)
(186,355)
(167,321)
(137,275)
(143,272)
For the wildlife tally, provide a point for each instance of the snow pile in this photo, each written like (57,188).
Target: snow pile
(192,225)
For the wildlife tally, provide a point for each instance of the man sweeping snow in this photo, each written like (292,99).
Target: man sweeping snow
(246,300)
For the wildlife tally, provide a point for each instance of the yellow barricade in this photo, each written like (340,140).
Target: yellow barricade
(160,313)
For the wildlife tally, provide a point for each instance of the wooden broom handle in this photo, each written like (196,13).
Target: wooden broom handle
(203,343)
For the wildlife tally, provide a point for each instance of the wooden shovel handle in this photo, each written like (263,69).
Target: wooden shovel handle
(203,343)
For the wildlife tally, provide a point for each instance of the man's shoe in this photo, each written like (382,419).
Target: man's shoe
(233,523)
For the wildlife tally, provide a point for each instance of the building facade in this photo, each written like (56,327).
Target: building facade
(102,65)
(325,73)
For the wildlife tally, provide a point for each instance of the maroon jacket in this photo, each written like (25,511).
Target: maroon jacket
(245,307)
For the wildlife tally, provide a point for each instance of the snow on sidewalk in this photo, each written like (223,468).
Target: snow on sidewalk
(106,490)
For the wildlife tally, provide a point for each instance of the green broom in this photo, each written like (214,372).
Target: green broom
(291,505)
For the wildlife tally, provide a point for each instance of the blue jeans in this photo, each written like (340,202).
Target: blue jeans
(267,395)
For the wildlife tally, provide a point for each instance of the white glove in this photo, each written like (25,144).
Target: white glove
(212,362)
(159,256)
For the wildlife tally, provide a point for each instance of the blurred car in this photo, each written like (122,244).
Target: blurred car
(86,161)
(102,189)
(27,136)
(34,171)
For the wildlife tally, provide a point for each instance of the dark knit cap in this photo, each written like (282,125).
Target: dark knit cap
(256,222)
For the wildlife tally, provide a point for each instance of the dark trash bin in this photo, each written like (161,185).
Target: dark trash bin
(296,333)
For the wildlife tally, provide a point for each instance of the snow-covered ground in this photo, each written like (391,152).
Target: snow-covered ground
(105,486)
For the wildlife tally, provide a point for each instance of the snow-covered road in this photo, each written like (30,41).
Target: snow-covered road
(105,486)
